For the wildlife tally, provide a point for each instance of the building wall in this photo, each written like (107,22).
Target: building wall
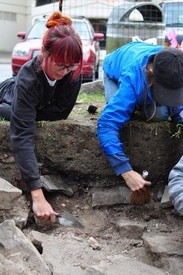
(18,15)
(14,16)
(88,8)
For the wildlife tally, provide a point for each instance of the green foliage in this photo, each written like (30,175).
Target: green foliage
(92,97)
(41,123)
(152,127)
(178,133)
(4,121)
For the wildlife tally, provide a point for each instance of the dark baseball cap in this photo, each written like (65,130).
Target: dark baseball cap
(168,77)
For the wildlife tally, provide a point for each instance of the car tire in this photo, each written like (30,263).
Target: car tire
(97,72)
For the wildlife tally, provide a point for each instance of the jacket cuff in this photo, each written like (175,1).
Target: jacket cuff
(123,169)
(35,184)
(119,163)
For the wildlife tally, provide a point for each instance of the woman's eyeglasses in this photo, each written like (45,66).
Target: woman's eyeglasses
(62,67)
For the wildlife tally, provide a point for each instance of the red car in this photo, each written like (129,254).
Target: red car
(31,46)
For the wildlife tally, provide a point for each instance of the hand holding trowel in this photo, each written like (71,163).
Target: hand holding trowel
(64,218)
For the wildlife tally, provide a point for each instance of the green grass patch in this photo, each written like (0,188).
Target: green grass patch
(92,97)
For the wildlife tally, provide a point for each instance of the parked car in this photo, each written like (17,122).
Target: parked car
(130,19)
(173,16)
(31,46)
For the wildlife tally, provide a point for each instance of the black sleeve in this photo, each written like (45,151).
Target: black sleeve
(26,110)
(22,131)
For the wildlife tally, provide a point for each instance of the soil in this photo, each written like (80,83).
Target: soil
(100,223)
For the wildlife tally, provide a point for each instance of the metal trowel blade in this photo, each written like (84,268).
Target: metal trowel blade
(66,219)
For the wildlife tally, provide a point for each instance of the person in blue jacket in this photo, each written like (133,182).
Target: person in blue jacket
(144,76)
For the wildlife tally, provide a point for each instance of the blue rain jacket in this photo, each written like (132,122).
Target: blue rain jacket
(125,65)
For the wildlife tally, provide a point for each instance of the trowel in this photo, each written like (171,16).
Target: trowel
(66,219)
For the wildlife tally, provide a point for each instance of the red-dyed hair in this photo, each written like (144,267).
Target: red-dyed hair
(62,42)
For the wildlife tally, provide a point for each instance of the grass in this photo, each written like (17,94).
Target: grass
(92,97)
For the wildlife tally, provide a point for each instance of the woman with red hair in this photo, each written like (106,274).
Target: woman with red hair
(46,88)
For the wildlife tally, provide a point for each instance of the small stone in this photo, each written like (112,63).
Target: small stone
(94,244)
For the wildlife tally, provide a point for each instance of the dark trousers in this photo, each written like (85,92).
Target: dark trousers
(6,94)
(5,111)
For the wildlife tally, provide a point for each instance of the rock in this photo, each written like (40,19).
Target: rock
(165,244)
(92,87)
(130,229)
(13,204)
(20,253)
(20,212)
(94,244)
(119,264)
(165,201)
(166,250)
(56,183)
(110,196)
(8,194)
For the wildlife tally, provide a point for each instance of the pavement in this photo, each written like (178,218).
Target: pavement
(5,57)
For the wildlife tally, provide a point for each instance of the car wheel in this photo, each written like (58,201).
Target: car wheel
(93,75)
(97,72)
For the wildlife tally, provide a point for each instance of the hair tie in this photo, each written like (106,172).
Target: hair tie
(51,23)
(57,19)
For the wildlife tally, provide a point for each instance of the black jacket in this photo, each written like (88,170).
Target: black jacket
(33,99)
